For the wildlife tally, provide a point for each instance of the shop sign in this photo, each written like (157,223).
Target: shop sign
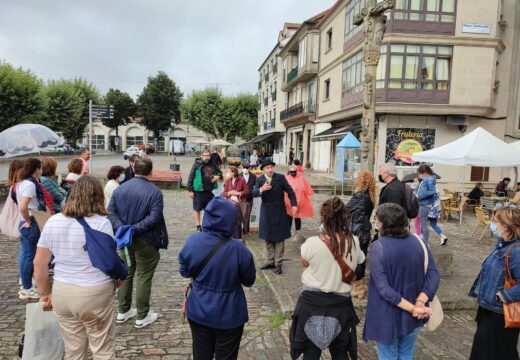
(401,143)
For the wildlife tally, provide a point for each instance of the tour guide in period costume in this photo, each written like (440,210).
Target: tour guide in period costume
(274,221)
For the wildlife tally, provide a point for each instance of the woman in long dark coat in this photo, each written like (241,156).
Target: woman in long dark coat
(275,226)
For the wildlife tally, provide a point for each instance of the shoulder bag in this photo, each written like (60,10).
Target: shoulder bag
(347,275)
(437,316)
(196,273)
(511,311)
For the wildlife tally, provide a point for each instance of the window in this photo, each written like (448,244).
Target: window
(353,8)
(98,142)
(353,75)
(425,10)
(302,53)
(418,67)
(479,174)
(327,88)
(134,140)
(329,38)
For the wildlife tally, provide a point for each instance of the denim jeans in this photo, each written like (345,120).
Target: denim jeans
(28,242)
(401,349)
(423,216)
(435,226)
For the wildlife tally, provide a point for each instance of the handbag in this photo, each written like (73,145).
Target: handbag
(41,217)
(347,275)
(437,316)
(196,273)
(511,311)
(10,218)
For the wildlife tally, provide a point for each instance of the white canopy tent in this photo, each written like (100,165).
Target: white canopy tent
(478,148)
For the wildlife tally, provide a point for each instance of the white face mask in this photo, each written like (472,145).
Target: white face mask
(245,171)
(322,228)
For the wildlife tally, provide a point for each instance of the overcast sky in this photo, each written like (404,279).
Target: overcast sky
(119,43)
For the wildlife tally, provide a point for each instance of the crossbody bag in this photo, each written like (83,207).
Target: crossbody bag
(347,275)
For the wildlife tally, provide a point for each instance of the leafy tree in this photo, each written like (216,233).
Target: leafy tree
(22,96)
(159,103)
(68,110)
(222,117)
(124,108)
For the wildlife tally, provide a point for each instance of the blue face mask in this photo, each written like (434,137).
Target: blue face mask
(414,186)
(121,178)
(497,234)
(420,177)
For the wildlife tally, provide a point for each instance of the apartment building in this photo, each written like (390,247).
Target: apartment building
(447,67)
(271,131)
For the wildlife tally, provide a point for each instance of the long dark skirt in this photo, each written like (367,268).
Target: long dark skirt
(492,341)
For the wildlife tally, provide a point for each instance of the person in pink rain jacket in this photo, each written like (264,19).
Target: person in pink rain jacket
(303,190)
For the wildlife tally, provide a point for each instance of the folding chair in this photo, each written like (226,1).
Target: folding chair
(482,219)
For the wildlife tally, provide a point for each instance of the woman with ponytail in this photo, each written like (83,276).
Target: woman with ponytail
(324,316)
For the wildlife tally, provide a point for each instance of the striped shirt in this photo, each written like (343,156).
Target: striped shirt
(65,238)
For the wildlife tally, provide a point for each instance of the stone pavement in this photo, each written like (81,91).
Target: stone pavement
(269,300)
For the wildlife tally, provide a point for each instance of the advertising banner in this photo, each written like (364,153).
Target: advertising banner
(401,143)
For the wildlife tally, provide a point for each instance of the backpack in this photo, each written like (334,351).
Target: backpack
(101,249)
(412,203)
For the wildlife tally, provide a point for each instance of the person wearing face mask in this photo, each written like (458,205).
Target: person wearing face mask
(274,222)
(236,191)
(427,194)
(129,171)
(393,191)
(116,176)
(303,190)
(492,341)
(250,180)
(203,179)
(29,196)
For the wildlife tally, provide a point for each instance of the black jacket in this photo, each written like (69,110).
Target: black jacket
(208,170)
(360,209)
(129,174)
(393,192)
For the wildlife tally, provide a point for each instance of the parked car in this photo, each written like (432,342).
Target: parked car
(131,150)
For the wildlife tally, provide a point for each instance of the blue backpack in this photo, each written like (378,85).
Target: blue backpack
(102,252)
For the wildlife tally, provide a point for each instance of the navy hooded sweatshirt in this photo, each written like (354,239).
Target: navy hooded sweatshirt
(217,299)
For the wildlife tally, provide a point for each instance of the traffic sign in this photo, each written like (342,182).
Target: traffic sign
(103,111)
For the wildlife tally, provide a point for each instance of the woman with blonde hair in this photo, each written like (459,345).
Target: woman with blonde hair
(82,296)
(492,341)
(360,209)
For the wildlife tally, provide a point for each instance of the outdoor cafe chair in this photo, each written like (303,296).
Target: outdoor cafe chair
(482,219)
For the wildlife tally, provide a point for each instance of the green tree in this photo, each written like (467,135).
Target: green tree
(22,96)
(159,103)
(222,117)
(124,108)
(68,110)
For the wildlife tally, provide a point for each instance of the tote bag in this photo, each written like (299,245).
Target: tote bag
(10,218)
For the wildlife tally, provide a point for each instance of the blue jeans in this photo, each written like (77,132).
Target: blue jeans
(401,349)
(28,242)
(433,223)
(423,216)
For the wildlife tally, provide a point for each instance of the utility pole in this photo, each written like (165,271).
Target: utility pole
(373,20)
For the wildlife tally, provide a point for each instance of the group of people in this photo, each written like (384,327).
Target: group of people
(403,274)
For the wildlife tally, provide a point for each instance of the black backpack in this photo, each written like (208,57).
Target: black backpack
(412,203)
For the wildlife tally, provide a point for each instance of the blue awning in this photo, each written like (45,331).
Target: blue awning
(349,141)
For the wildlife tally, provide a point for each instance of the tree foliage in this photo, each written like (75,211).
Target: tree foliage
(22,96)
(223,117)
(68,111)
(159,103)
(124,108)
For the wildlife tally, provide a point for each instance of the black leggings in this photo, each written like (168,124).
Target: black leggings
(297,223)
(312,352)
(209,342)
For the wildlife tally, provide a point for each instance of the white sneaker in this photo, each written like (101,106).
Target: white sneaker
(149,319)
(121,318)
(28,294)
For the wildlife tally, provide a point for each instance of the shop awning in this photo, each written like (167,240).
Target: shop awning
(336,133)
(263,137)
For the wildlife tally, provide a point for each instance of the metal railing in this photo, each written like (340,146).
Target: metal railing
(292,75)
(307,107)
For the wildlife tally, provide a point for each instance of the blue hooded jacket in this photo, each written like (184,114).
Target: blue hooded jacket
(217,299)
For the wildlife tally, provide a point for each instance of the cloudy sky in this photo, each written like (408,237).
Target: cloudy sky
(119,43)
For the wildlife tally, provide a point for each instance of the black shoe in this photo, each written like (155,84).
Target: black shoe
(444,241)
(199,228)
(278,270)
(267,266)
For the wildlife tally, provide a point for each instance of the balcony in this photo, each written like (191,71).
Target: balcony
(273,95)
(275,68)
(297,75)
(298,114)
(266,101)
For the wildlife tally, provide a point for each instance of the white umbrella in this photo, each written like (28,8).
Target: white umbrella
(26,139)
(199,142)
(220,142)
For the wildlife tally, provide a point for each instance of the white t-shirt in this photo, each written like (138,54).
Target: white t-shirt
(109,190)
(324,272)
(65,238)
(27,189)
(72,176)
